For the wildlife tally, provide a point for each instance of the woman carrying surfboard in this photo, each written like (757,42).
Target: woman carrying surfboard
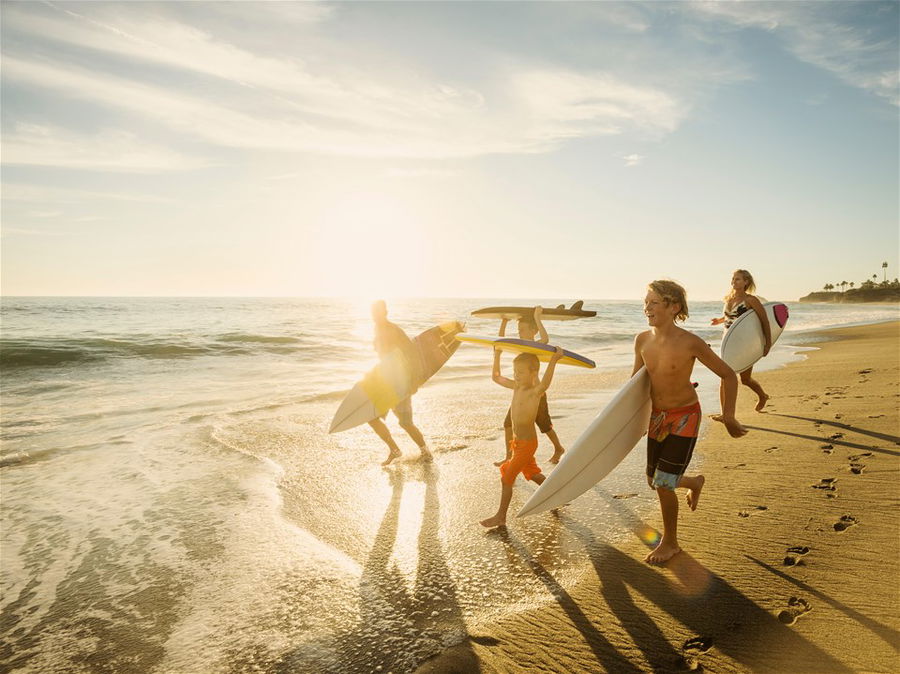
(737,302)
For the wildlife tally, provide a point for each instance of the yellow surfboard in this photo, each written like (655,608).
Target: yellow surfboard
(542,351)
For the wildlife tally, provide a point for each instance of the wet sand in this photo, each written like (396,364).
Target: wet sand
(818,473)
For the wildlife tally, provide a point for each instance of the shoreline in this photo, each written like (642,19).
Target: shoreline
(817,471)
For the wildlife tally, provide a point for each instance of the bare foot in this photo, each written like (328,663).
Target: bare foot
(425,455)
(501,462)
(495,521)
(763,399)
(662,553)
(557,455)
(394,454)
(693,495)
(717,417)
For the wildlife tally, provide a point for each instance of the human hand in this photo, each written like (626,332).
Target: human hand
(766,349)
(556,354)
(538,311)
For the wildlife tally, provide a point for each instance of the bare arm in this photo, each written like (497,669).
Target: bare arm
(757,306)
(729,385)
(495,374)
(638,357)
(503,323)
(551,366)
(544,337)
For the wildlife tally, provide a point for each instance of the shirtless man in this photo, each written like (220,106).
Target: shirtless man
(669,352)
(527,393)
(389,337)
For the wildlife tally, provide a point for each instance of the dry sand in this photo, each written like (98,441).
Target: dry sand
(820,471)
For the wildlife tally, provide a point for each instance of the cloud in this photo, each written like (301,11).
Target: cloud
(633,159)
(227,96)
(827,35)
(37,145)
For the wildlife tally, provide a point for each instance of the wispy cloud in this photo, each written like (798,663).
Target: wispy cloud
(328,109)
(633,159)
(37,145)
(823,35)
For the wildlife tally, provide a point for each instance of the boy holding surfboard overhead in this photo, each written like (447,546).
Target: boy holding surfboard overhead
(527,393)
(668,352)
(529,327)
(388,337)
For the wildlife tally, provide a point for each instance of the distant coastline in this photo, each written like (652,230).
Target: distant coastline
(888,291)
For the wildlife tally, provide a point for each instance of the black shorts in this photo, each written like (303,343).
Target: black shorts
(543,420)
(667,460)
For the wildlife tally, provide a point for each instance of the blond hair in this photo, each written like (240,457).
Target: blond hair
(748,279)
(529,359)
(672,293)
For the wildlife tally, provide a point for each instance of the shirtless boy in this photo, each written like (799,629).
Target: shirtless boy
(669,352)
(388,337)
(529,327)
(527,393)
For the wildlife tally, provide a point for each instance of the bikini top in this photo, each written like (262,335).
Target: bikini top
(740,308)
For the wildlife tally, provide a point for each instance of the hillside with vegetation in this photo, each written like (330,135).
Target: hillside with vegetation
(869,290)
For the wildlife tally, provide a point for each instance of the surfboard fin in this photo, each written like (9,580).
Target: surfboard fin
(576,305)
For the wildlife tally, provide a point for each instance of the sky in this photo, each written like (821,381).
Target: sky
(447,149)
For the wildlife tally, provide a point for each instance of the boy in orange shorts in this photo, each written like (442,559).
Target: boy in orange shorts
(669,352)
(527,393)
(529,328)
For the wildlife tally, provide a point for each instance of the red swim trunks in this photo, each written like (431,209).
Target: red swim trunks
(521,461)
(683,421)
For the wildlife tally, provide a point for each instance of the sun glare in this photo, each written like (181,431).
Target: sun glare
(370,245)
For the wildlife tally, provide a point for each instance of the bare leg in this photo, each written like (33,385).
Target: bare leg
(558,449)
(748,381)
(694,485)
(499,519)
(413,432)
(668,546)
(718,417)
(507,434)
(382,431)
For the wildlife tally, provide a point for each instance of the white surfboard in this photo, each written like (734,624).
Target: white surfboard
(743,342)
(601,447)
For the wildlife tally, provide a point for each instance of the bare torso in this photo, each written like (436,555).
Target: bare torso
(669,360)
(523,411)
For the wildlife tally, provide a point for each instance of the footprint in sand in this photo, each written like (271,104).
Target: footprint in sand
(737,465)
(857,457)
(845,523)
(747,513)
(622,496)
(798,607)
(794,553)
(826,483)
(771,449)
(857,468)
(692,649)
(866,371)
(875,416)
(838,416)
(828,449)
(836,436)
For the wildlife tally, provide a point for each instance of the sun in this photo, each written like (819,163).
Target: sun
(370,245)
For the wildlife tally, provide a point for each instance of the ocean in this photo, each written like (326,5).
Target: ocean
(172,502)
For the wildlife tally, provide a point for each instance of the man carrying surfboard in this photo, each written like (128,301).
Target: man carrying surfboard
(389,337)
(529,327)
(669,352)
(527,393)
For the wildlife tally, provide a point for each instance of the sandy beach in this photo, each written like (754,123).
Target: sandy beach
(818,473)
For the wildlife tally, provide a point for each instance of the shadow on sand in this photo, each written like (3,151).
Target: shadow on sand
(399,626)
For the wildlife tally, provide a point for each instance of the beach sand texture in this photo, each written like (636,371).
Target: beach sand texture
(790,563)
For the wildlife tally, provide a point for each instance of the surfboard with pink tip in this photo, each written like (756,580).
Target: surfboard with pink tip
(744,341)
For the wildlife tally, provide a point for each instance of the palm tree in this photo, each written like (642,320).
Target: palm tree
(851,285)
(884,271)
(842,284)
